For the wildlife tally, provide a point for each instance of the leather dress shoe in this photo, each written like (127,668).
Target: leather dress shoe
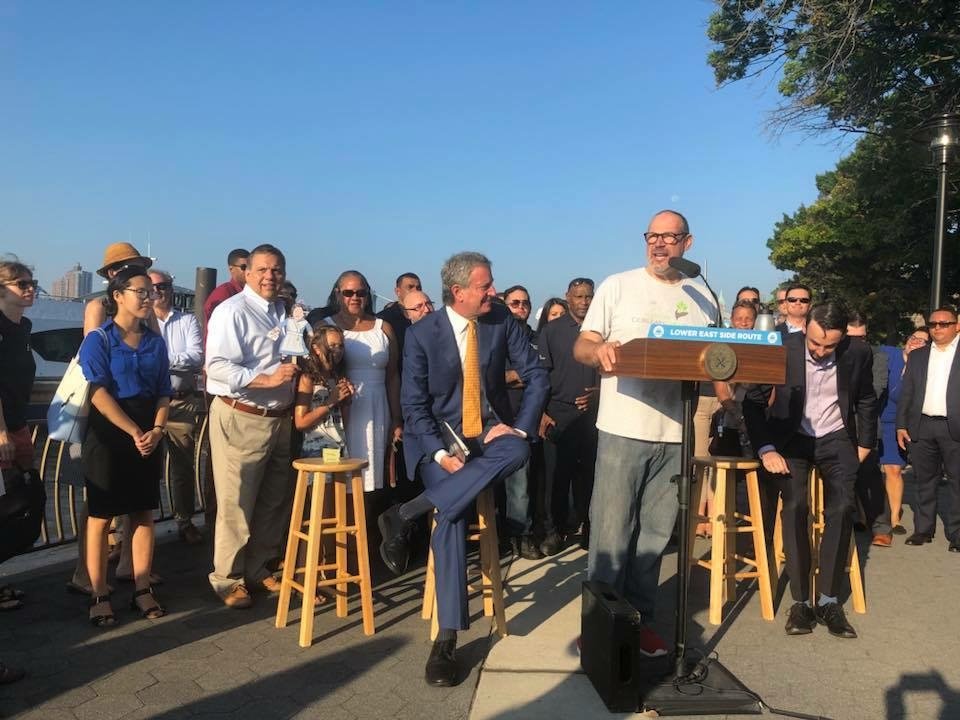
(955,544)
(441,670)
(526,548)
(882,540)
(833,617)
(801,620)
(552,544)
(395,545)
(919,539)
(899,530)
(238,598)
(270,584)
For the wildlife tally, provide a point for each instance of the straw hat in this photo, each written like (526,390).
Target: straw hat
(122,252)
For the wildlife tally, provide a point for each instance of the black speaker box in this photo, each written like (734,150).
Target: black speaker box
(609,648)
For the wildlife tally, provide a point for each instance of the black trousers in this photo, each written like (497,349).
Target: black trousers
(933,454)
(835,456)
(570,458)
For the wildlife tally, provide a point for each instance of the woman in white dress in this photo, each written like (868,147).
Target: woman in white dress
(375,422)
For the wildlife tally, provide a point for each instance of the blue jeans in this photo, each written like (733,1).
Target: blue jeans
(517,520)
(632,514)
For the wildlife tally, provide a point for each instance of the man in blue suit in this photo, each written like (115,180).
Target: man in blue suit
(454,364)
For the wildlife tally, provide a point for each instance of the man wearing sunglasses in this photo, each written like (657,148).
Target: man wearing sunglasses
(181,332)
(928,428)
(824,415)
(796,305)
(236,268)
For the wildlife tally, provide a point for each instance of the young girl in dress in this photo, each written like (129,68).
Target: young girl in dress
(323,394)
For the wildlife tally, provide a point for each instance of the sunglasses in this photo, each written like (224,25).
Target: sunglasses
(241,266)
(163,287)
(361,293)
(24,285)
(941,323)
(802,301)
(519,303)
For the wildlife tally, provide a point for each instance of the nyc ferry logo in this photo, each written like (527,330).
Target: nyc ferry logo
(662,331)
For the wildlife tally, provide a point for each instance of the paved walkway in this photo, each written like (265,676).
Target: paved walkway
(205,661)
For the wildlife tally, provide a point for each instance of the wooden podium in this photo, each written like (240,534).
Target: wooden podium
(703,354)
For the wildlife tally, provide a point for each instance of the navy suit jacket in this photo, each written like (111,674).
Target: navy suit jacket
(777,424)
(432,387)
(914,386)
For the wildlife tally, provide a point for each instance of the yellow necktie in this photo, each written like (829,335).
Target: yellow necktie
(472,422)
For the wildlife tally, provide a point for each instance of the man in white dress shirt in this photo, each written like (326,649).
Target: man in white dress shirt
(181,332)
(250,429)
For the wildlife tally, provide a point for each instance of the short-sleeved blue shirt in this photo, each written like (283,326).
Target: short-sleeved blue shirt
(124,371)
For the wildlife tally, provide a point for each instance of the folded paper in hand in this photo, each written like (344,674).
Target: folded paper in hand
(455,444)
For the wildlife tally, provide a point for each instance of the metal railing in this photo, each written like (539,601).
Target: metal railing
(59,466)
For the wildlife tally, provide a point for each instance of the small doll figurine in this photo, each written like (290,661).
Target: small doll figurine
(296,325)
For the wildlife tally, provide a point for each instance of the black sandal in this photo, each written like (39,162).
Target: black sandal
(153,612)
(105,619)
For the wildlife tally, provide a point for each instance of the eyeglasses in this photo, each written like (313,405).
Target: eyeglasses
(24,285)
(240,266)
(361,293)
(142,294)
(163,287)
(669,238)
(802,301)
(752,301)
(941,323)
(420,307)
(519,303)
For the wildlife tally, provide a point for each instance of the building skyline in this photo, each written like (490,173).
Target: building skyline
(74,283)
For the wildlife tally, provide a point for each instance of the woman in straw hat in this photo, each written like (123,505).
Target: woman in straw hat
(116,257)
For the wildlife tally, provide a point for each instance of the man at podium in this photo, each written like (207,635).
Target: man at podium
(634,504)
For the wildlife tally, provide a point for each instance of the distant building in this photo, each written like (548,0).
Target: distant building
(75,283)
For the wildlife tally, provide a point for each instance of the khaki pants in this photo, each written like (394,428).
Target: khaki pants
(251,473)
(181,426)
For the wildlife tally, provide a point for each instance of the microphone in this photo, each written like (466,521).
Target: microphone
(692,270)
(687,267)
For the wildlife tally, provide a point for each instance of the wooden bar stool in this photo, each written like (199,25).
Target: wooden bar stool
(312,530)
(816,522)
(727,524)
(483,531)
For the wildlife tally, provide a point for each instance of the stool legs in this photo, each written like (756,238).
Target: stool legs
(363,553)
(316,527)
(290,555)
(718,553)
(485,532)
(759,546)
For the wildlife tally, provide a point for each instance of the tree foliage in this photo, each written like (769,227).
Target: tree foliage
(864,65)
(867,239)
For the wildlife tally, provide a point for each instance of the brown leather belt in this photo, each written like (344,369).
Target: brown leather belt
(254,410)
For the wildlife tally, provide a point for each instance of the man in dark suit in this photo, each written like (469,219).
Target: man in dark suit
(796,306)
(928,427)
(825,415)
(454,372)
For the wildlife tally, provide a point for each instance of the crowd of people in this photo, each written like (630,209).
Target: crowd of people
(575,451)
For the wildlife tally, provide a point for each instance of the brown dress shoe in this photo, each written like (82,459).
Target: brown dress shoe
(270,584)
(238,597)
(882,540)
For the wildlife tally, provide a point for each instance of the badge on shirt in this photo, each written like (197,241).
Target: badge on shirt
(681,310)
(274,334)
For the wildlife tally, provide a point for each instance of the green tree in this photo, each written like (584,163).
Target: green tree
(866,239)
(865,65)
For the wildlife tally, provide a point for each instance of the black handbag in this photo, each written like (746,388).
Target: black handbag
(21,513)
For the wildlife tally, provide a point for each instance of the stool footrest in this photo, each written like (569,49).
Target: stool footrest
(338,581)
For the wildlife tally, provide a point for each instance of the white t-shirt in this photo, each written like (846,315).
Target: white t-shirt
(623,308)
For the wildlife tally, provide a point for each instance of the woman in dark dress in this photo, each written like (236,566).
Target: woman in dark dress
(129,373)
(17,370)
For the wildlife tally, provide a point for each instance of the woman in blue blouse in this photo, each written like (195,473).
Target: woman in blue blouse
(126,364)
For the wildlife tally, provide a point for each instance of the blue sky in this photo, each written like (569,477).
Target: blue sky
(386,136)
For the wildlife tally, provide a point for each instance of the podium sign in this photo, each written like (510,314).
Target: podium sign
(689,352)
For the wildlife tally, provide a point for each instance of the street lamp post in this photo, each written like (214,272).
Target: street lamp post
(943,132)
